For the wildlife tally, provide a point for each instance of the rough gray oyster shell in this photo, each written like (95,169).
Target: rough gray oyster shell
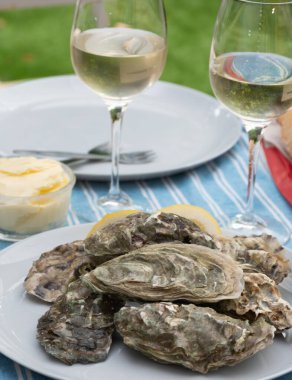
(137,230)
(78,327)
(264,242)
(262,254)
(51,273)
(260,297)
(197,338)
(169,272)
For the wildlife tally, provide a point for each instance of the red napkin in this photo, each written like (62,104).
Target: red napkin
(281,170)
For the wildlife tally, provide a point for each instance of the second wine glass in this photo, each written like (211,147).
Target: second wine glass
(118,48)
(251,74)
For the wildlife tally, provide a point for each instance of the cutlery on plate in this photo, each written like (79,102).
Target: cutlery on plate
(139,157)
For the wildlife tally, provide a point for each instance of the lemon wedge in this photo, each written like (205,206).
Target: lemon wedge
(198,215)
(109,218)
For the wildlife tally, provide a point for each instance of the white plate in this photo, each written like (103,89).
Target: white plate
(19,315)
(184,127)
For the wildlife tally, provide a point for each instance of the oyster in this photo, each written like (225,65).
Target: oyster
(51,273)
(118,237)
(273,265)
(197,338)
(78,327)
(260,297)
(264,242)
(262,254)
(137,230)
(169,272)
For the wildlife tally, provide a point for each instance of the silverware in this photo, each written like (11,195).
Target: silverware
(95,154)
(142,156)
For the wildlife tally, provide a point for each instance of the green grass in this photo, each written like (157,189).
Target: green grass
(35,42)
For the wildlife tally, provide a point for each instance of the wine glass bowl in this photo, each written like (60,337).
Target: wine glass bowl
(251,75)
(118,49)
(118,63)
(253,85)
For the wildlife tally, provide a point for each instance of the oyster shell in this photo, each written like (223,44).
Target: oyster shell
(197,338)
(275,266)
(137,230)
(264,242)
(51,273)
(260,297)
(169,272)
(78,327)
(262,254)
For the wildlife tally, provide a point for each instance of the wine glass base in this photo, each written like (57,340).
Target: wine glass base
(253,225)
(112,203)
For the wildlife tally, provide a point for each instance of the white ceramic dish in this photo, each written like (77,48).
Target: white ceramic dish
(186,128)
(19,314)
(21,217)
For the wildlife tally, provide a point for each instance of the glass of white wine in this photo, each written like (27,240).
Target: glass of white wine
(118,49)
(251,74)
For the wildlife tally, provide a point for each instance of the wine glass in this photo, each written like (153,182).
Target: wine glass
(251,74)
(118,49)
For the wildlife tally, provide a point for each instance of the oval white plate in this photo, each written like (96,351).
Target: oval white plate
(19,314)
(185,128)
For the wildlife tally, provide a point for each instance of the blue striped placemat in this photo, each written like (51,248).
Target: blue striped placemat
(219,186)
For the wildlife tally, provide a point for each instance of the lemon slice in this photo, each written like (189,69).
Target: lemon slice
(109,218)
(198,215)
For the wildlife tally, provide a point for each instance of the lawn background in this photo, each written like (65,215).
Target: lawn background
(35,42)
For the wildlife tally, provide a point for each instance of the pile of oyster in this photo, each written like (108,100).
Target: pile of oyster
(172,291)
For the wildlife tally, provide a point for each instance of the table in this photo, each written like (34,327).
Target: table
(219,186)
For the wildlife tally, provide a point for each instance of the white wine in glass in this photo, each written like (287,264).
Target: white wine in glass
(251,74)
(118,48)
(118,62)
(255,86)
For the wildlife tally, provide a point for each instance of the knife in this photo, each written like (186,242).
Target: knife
(52,153)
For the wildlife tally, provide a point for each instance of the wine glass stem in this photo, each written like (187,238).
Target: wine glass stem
(254,136)
(116,113)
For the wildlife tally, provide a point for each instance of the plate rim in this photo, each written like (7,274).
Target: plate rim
(237,129)
(13,356)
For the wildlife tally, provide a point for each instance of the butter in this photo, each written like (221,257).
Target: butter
(34,195)
(29,176)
